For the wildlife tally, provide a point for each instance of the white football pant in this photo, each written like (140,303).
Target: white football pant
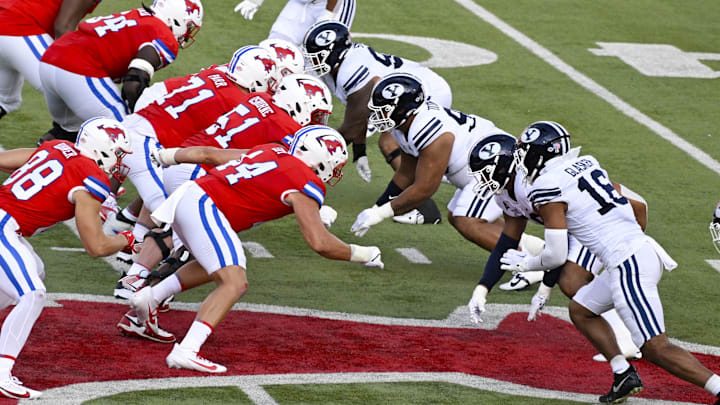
(20,58)
(73,99)
(298,15)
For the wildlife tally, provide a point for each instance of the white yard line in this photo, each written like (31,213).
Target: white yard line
(589,84)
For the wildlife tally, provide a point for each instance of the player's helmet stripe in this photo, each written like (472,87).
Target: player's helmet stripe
(236,57)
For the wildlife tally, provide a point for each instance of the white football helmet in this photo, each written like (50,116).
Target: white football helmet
(184,17)
(105,141)
(307,99)
(254,68)
(323,149)
(288,56)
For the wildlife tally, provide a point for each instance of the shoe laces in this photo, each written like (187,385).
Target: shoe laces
(15,380)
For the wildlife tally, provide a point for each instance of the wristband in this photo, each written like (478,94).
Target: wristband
(360,254)
(142,64)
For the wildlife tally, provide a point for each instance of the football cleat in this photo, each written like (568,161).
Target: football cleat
(145,307)
(128,285)
(413,217)
(115,223)
(184,358)
(13,388)
(522,280)
(625,385)
(130,326)
(164,305)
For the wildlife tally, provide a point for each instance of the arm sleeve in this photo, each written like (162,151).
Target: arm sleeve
(493,273)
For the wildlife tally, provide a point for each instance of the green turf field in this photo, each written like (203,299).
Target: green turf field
(518,88)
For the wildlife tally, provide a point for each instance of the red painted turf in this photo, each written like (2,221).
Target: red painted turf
(79,343)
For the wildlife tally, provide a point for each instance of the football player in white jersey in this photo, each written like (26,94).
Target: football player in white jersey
(434,142)
(715,228)
(298,15)
(351,70)
(574,197)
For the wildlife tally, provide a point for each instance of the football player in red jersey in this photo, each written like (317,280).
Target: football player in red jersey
(188,109)
(258,119)
(77,71)
(267,183)
(50,184)
(27,28)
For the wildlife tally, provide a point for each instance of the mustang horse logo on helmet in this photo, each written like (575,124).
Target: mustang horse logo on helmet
(113,133)
(331,143)
(192,7)
(268,63)
(312,89)
(282,53)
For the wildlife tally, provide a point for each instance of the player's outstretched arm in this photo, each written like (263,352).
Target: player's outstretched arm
(11,160)
(71,12)
(87,219)
(206,155)
(429,171)
(322,241)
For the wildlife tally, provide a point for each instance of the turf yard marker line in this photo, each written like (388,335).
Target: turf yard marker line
(78,393)
(413,255)
(458,319)
(257,250)
(589,84)
(66,249)
(715,264)
(257,394)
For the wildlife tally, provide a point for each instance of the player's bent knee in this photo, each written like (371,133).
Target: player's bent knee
(233,280)
(654,347)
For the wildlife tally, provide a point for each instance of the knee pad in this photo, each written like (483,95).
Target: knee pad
(171,265)
(159,237)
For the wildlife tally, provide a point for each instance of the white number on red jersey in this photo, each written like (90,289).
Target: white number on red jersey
(222,122)
(111,24)
(247,170)
(194,83)
(34,175)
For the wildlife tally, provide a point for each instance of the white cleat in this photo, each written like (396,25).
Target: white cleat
(413,217)
(13,388)
(520,281)
(145,306)
(184,358)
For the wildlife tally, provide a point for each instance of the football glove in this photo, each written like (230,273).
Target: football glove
(538,301)
(328,215)
(363,169)
(248,8)
(163,157)
(131,246)
(370,256)
(109,207)
(477,303)
(514,260)
(369,217)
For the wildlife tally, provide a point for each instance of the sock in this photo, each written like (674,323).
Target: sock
(128,214)
(139,231)
(16,327)
(196,336)
(2,112)
(619,364)
(430,212)
(622,334)
(166,288)
(6,365)
(713,384)
(139,270)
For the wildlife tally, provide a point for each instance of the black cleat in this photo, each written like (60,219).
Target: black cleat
(625,385)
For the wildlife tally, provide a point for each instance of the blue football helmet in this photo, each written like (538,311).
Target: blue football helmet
(325,45)
(492,163)
(540,142)
(394,99)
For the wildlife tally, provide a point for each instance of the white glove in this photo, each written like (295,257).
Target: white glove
(477,303)
(109,207)
(163,157)
(370,256)
(369,217)
(514,260)
(248,8)
(538,301)
(363,168)
(327,215)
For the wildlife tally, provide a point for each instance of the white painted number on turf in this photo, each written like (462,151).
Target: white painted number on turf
(660,60)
